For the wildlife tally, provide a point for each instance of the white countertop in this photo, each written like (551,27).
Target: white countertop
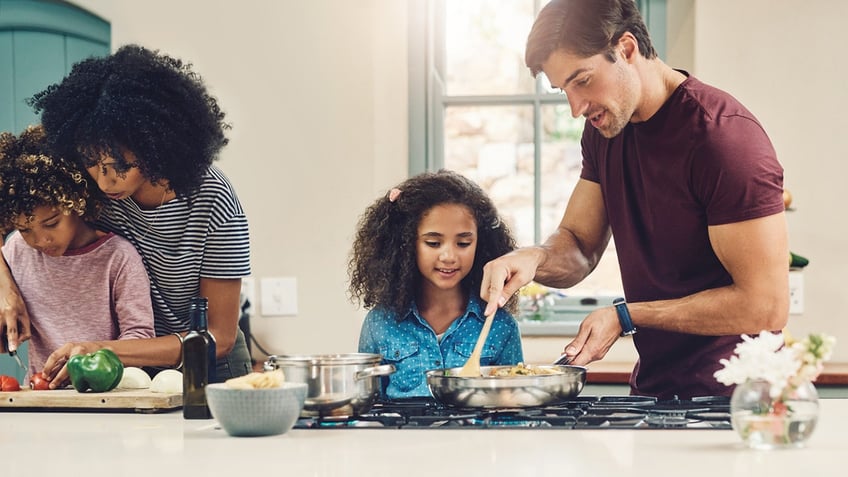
(153,445)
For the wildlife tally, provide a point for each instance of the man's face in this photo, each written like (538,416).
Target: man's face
(603,92)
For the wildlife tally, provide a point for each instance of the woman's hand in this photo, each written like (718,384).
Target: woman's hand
(55,369)
(14,318)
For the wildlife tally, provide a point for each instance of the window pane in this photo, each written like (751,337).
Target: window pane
(485,42)
(561,162)
(493,145)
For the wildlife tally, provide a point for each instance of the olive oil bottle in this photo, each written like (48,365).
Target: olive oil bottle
(198,362)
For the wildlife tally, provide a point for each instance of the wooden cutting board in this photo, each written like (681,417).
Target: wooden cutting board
(138,400)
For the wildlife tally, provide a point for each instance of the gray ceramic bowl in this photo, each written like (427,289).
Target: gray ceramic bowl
(256,412)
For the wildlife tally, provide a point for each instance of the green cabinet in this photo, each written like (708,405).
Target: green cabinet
(39,43)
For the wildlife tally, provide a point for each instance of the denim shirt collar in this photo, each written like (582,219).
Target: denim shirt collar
(474,309)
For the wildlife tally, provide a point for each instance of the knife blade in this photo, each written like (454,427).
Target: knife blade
(13,354)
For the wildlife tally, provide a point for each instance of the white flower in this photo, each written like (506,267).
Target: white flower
(766,357)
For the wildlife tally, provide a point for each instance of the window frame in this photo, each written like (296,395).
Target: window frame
(427,100)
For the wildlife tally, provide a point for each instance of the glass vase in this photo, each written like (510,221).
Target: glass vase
(768,422)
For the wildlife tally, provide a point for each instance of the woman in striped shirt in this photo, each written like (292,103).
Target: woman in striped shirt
(147,131)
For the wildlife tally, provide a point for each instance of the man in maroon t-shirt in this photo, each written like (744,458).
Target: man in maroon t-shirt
(686,180)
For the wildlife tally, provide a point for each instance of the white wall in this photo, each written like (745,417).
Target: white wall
(316,92)
(785,62)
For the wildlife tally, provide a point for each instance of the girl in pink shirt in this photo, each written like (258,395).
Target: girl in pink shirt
(78,283)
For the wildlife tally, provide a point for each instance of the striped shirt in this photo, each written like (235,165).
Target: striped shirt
(204,235)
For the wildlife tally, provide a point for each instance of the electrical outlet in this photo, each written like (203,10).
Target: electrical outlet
(248,292)
(279,296)
(796,292)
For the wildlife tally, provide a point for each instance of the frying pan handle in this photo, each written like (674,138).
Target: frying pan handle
(382,370)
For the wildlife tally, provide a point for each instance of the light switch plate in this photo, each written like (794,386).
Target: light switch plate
(279,296)
(796,292)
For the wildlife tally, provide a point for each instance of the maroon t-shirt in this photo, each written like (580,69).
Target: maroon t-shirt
(701,160)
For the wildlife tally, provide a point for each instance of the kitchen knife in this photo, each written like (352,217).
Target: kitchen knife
(13,354)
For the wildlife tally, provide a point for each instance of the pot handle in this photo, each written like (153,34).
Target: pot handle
(382,370)
(270,364)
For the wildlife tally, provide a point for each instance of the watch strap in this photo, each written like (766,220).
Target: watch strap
(624,319)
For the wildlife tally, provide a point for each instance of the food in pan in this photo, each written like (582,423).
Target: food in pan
(521,369)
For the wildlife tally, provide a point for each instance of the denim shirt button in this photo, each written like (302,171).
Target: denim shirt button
(438,363)
(397,354)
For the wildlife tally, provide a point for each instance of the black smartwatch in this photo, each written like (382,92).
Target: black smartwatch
(624,320)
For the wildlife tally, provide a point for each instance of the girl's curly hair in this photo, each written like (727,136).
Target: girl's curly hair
(31,177)
(383,270)
(138,100)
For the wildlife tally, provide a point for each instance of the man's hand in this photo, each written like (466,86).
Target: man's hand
(503,276)
(598,332)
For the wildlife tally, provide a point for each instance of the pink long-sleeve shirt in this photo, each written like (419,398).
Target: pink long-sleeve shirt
(99,292)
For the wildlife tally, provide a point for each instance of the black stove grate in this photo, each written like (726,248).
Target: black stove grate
(583,412)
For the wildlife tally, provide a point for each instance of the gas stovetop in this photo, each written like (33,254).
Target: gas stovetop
(584,412)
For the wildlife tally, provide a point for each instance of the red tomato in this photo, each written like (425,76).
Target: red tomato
(38,382)
(9,383)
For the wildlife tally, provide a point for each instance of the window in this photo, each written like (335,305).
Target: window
(475,108)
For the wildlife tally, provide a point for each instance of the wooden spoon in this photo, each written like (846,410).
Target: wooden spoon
(472,366)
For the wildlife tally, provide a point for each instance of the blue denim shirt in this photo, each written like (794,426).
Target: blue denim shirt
(411,345)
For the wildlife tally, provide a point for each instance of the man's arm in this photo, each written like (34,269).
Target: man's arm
(565,259)
(576,247)
(755,253)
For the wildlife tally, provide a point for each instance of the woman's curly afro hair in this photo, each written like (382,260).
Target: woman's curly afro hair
(383,270)
(30,177)
(137,100)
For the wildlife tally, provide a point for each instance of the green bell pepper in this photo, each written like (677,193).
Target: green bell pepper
(99,372)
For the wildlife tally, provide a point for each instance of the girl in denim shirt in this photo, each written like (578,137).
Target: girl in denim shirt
(416,263)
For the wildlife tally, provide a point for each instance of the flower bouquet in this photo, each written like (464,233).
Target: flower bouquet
(775,403)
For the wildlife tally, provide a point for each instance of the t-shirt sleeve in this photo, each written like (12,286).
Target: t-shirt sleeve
(735,173)
(131,293)
(227,250)
(587,146)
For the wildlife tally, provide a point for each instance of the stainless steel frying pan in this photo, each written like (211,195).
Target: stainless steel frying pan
(505,391)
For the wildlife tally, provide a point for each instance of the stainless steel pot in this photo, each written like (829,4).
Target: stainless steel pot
(505,391)
(338,384)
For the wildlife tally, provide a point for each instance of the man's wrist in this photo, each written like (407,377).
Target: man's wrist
(624,318)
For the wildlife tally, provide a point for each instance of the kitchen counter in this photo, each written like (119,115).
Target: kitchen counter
(107,444)
(616,372)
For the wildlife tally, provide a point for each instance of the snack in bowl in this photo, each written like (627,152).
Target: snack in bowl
(268,379)
(258,404)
